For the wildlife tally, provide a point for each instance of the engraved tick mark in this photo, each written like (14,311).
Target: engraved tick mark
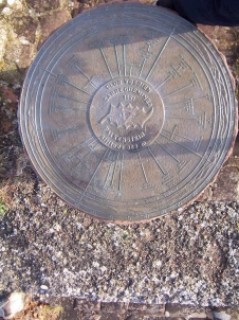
(203,120)
(182,166)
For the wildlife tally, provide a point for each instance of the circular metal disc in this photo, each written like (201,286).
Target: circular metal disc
(128,112)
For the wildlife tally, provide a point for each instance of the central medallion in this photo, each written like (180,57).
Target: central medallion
(126,113)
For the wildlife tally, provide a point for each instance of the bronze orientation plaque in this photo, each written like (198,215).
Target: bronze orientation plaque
(128,112)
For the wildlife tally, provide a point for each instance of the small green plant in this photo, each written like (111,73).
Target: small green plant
(49,312)
(3,208)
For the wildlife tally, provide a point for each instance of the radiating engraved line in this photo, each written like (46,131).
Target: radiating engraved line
(177,135)
(182,166)
(94,173)
(59,76)
(130,70)
(143,169)
(113,173)
(78,147)
(196,81)
(106,62)
(60,96)
(121,173)
(168,152)
(48,71)
(91,146)
(124,60)
(82,159)
(198,143)
(159,55)
(56,133)
(73,86)
(156,161)
(64,108)
(164,82)
(142,68)
(56,106)
(86,76)
(52,107)
(110,174)
(179,89)
(171,75)
(183,146)
(117,60)
(181,118)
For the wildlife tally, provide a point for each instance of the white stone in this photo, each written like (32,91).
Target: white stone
(13,305)
(222,316)
(11,2)
(44,287)
(157,264)
(6,11)
(24,40)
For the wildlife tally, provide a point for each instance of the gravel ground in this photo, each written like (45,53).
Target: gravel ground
(51,250)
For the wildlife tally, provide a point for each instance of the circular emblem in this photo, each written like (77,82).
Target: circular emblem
(126,114)
(131,117)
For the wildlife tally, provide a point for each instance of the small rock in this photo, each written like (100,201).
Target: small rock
(6,11)
(43,289)
(13,305)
